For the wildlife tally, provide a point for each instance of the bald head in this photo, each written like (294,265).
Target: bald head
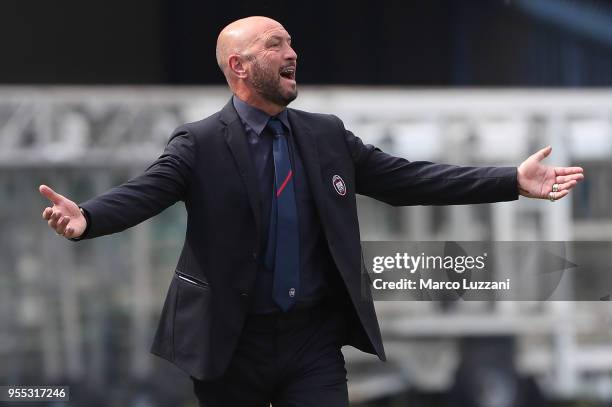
(239,36)
(259,63)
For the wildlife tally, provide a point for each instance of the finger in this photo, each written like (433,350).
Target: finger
(557,195)
(543,153)
(69,232)
(50,194)
(568,170)
(61,225)
(566,178)
(567,186)
(47,213)
(54,219)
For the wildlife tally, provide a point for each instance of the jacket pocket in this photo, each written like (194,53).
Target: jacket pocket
(192,319)
(191,280)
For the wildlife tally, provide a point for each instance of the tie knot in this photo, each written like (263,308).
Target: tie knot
(276,126)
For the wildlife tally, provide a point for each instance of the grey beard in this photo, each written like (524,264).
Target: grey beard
(268,87)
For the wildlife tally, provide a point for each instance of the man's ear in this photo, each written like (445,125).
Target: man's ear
(236,66)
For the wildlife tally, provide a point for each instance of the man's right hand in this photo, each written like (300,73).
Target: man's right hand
(65,217)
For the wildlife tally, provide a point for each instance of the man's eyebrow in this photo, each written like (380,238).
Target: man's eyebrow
(278,37)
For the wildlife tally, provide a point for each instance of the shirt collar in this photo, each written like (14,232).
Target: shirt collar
(256,119)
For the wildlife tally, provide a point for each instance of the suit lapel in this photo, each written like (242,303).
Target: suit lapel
(237,142)
(307,144)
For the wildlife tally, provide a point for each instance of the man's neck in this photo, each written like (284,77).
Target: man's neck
(265,106)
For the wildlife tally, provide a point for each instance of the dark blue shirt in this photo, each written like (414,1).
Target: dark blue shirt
(315,260)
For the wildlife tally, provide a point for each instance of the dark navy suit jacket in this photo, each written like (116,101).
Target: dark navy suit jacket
(207,165)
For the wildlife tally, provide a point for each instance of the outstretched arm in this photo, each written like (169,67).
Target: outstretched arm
(537,180)
(398,181)
(161,185)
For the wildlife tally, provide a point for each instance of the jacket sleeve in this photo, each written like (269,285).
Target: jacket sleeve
(400,182)
(164,183)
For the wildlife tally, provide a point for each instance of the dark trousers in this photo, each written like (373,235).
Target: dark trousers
(288,360)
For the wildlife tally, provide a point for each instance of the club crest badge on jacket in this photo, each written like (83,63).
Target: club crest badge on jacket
(339,185)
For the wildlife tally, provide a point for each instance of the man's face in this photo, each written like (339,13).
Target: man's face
(271,65)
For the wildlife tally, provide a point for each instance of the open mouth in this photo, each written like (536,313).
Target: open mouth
(288,72)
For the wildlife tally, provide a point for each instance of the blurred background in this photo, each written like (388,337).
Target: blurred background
(90,91)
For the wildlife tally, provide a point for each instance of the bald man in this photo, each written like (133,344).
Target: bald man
(268,285)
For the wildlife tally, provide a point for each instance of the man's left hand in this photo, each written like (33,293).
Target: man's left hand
(536,180)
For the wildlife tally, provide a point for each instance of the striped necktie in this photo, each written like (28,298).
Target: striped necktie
(282,254)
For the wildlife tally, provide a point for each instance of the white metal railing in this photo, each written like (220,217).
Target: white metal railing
(49,125)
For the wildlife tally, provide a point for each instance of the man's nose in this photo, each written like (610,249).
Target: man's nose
(291,54)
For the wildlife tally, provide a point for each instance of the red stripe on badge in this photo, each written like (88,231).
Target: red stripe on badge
(284,184)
